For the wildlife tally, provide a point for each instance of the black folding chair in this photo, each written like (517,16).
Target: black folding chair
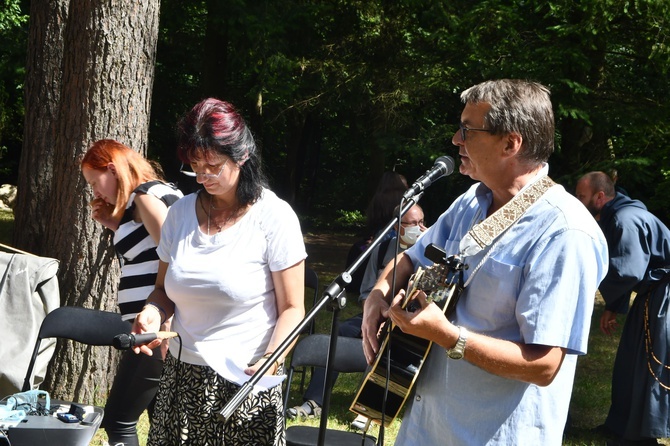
(93,327)
(312,351)
(311,282)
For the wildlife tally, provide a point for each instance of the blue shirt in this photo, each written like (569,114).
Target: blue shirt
(537,286)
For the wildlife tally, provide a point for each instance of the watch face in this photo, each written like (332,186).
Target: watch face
(453,354)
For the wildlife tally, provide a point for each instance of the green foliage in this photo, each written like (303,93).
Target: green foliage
(350,219)
(339,92)
(10,15)
(13,26)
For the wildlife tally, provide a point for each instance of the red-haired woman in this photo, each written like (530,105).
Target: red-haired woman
(132,200)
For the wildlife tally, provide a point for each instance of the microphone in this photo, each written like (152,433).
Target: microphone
(125,341)
(443,166)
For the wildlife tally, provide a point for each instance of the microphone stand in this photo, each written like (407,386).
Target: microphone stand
(333,296)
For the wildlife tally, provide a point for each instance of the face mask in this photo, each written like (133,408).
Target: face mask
(411,235)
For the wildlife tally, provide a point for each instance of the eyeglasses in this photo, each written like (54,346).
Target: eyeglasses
(204,176)
(465,129)
(411,223)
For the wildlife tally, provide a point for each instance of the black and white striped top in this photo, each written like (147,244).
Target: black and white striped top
(138,250)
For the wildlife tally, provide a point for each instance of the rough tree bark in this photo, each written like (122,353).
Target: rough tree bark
(107,67)
(43,84)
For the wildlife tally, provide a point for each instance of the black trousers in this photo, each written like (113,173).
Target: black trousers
(135,386)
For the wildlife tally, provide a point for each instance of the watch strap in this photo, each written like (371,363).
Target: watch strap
(458,350)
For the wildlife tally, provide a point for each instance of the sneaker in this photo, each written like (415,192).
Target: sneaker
(359,424)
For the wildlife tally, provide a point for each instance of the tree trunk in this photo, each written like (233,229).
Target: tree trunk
(107,77)
(43,83)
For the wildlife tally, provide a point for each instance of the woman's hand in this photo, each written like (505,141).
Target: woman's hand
(101,211)
(158,311)
(253,368)
(147,321)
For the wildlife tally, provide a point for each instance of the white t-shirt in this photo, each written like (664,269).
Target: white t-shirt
(222,285)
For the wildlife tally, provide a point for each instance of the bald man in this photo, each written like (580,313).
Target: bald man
(639,250)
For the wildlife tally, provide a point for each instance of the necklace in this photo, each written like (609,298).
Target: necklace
(211,205)
(218,228)
(208,212)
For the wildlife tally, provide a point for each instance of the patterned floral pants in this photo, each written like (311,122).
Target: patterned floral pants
(189,400)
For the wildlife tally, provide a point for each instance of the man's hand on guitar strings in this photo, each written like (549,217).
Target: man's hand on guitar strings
(426,321)
(375,312)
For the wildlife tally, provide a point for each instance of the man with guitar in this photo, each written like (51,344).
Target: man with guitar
(502,363)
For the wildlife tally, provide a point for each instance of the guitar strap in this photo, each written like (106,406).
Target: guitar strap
(483,234)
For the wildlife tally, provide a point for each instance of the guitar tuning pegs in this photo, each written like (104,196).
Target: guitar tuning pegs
(455,263)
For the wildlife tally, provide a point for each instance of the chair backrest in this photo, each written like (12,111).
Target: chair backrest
(311,279)
(93,327)
(312,282)
(312,351)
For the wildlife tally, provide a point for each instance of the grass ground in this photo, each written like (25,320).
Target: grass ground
(327,254)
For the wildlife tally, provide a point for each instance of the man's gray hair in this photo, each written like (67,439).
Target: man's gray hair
(518,106)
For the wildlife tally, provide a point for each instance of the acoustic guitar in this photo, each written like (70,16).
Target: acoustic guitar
(407,353)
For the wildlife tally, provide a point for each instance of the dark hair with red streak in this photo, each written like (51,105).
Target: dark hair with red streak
(216,127)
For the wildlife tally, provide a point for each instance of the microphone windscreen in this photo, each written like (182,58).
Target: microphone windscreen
(448,162)
(122,341)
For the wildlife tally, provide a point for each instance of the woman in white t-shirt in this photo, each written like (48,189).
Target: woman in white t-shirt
(231,272)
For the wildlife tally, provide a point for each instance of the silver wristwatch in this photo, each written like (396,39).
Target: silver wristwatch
(459,349)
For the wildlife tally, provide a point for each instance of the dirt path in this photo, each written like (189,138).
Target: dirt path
(327,254)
